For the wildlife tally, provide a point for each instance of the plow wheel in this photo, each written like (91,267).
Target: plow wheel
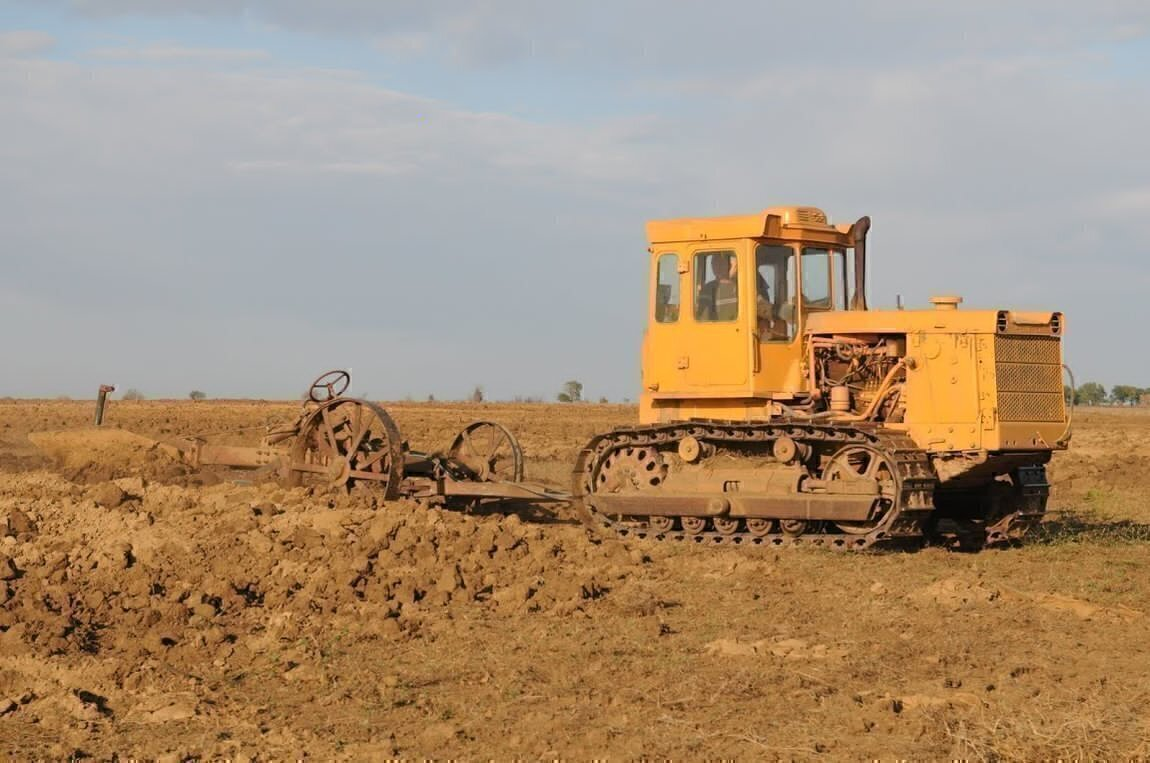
(346,442)
(490,451)
(860,462)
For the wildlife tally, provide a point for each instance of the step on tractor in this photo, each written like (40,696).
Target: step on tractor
(777,408)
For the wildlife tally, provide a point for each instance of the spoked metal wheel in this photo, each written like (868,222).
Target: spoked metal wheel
(346,442)
(860,462)
(490,451)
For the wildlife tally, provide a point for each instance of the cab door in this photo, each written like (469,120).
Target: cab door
(663,340)
(716,332)
(778,333)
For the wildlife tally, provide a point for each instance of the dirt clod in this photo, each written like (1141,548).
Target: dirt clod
(8,569)
(109,495)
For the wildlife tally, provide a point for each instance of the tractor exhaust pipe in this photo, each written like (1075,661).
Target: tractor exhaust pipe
(858,233)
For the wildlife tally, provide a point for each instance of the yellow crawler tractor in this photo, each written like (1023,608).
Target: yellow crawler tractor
(777,408)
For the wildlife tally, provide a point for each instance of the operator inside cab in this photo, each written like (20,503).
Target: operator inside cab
(775,265)
(718,298)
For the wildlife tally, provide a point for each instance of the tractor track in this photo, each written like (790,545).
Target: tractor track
(913,520)
(904,524)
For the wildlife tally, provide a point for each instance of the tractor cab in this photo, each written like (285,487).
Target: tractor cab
(729,299)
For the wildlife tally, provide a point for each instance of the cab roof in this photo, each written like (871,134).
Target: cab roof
(782,223)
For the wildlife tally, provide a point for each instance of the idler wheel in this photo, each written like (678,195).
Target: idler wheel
(662,524)
(860,462)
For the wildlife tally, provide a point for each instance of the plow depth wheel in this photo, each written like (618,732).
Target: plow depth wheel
(345,442)
(489,450)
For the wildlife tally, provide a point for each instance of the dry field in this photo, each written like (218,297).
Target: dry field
(194,615)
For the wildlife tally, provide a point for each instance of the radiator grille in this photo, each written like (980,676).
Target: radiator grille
(1027,349)
(1028,370)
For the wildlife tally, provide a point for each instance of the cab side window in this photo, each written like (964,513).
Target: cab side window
(716,286)
(667,289)
(775,293)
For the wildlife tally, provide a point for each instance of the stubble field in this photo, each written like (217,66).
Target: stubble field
(147,611)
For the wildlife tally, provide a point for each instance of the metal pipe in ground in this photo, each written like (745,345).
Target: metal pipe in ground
(101,400)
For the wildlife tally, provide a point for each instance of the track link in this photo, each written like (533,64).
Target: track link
(904,525)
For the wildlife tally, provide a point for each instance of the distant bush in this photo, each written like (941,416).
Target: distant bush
(132,394)
(477,394)
(572,392)
(197,396)
(603,400)
(63,398)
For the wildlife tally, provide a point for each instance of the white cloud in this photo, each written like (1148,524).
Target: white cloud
(1003,161)
(178,53)
(658,36)
(184,199)
(25,42)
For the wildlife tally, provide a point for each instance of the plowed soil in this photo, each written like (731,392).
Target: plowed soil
(148,611)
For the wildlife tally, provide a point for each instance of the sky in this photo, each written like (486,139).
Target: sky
(235,195)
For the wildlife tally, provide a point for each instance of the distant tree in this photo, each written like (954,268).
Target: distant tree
(132,394)
(572,392)
(1124,394)
(477,394)
(603,400)
(197,396)
(431,398)
(1090,393)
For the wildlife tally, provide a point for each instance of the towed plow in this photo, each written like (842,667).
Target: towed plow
(339,441)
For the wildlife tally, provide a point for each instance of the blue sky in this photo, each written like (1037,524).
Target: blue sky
(233,195)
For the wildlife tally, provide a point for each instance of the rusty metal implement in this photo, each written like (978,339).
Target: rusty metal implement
(342,441)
